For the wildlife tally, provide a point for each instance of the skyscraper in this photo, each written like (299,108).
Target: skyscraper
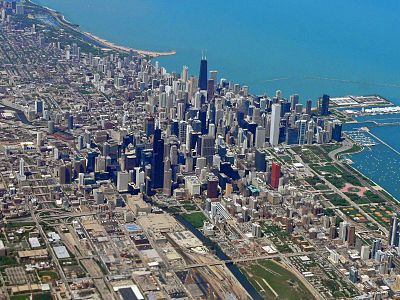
(351,236)
(185,71)
(214,75)
(309,107)
(149,124)
(210,89)
(337,131)
(157,163)
(39,106)
(167,178)
(294,100)
(203,74)
(21,168)
(377,245)
(212,187)
(207,147)
(343,231)
(260,137)
(70,122)
(260,162)
(394,231)
(275,175)
(323,105)
(302,124)
(275,124)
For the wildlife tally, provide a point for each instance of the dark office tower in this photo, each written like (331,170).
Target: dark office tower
(175,128)
(337,131)
(70,122)
(294,99)
(351,238)
(203,74)
(207,148)
(394,231)
(157,135)
(90,162)
(79,167)
(39,106)
(323,105)
(157,163)
(210,89)
(261,163)
(292,136)
(212,187)
(308,107)
(240,118)
(65,173)
(376,245)
(202,115)
(149,124)
(193,138)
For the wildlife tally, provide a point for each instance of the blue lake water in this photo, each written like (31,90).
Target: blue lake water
(307,47)
(380,162)
(267,44)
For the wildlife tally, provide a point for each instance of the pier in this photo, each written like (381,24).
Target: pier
(387,145)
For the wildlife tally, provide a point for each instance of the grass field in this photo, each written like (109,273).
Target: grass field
(381,214)
(196,219)
(337,200)
(273,281)
(48,275)
(329,168)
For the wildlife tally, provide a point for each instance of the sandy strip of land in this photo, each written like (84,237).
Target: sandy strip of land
(127,49)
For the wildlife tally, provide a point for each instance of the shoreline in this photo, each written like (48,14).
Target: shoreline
(98,40)
(114,46)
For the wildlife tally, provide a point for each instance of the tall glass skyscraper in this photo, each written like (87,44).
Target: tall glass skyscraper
(203,74)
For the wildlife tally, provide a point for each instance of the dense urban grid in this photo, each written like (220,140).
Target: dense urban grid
(120,180)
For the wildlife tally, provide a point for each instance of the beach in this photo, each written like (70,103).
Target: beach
(101,41)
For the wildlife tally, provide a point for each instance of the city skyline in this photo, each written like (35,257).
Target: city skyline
(120,180)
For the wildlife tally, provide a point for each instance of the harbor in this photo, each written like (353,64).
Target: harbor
(361,138)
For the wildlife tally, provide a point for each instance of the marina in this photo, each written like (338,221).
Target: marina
(361,138)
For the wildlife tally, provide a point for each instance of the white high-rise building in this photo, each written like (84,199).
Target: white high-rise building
(211,130)
(123,179)
(185,72)
(365,252)
(21,168)
(81,179)
(260,137)
(256,230)
(275,124)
